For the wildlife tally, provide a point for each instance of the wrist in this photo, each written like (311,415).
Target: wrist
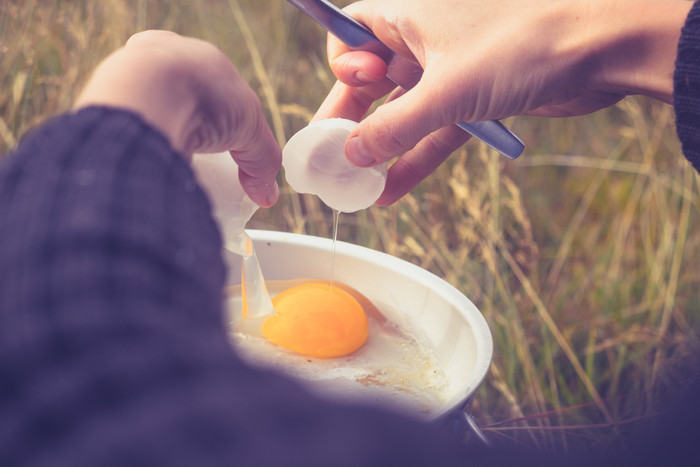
(633,45)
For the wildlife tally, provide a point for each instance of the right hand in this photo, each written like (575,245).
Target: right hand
(491,60)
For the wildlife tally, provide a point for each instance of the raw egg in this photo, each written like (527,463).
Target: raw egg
(317,319)
(396,365)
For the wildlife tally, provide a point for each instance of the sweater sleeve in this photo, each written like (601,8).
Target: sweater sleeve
(112,344)
(686,92)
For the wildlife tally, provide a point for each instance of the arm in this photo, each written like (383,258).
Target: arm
(491,60)
(687,88)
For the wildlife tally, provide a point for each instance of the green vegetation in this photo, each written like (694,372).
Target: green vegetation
(582,254)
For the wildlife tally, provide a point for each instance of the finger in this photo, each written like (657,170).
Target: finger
(143,36)
(253,146)
(382,18)
(414,166)
(231,119)
(335,47)
(259,159)
(395,94)
(356,68)
(349,102)
(398,125)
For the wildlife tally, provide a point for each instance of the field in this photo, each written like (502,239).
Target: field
(582,254)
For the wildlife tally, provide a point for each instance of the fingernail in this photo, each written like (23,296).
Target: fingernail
(273,194)
(363,77)
(357,153)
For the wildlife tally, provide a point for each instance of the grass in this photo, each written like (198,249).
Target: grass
(580,254)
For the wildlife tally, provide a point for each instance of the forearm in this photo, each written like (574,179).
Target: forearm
(102,190)
(687,88)
(109,290)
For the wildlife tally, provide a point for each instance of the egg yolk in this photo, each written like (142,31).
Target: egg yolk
(317,319)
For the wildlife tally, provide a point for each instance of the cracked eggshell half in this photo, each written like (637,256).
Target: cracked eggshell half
(314,162)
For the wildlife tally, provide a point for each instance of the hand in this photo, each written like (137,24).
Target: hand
(188,89)
(491,60)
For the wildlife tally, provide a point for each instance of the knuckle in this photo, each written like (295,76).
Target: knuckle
(388,139)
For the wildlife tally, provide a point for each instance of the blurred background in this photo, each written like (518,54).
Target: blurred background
(582,254)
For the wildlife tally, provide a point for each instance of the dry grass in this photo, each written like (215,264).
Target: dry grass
(580,254)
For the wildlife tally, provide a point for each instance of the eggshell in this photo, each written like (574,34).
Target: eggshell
(314,162)
(232,208)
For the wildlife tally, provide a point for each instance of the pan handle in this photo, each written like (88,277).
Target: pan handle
(474,428)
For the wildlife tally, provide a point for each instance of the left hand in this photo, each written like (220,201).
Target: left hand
(189,89)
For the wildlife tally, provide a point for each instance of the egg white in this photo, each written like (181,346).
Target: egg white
(395,366)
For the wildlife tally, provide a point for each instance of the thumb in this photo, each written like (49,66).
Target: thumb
(399,125)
